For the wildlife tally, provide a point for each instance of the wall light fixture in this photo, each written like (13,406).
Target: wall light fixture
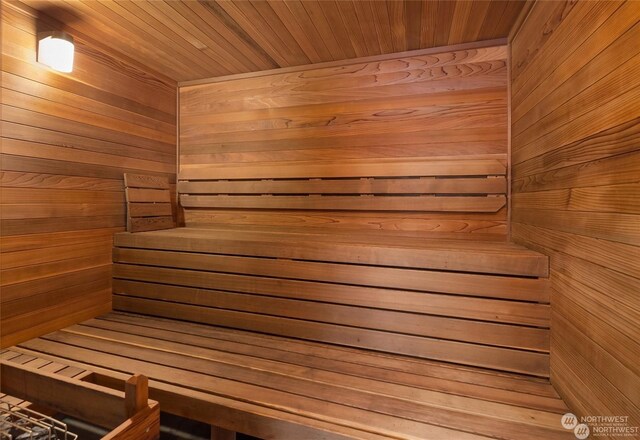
(55,49)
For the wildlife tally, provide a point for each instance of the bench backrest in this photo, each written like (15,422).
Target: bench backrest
(412,145)
(148,203)
(391,185)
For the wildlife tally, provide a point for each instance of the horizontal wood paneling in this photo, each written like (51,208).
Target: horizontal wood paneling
(576,176)
(472,303)
(67,139)
(399,146)
(203,39)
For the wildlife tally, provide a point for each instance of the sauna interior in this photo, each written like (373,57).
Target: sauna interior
(314,219)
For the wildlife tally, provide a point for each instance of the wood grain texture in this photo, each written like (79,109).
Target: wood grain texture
(67,140)
(392,294)
(37,382)
(193,40)
(251,383)
(148,202)
(412,134)
(82,400)
(575,184)
(143,425)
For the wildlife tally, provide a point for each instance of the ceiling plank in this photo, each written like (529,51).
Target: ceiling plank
(383,26)
(198,39)
(218,22)
(205,43)
(413,16)
(340,26)
(278,31)
(428,24)
(397,21)
(460,21)
(444,21)
(347,10)
(335,45)
(120,30)
(366,21)
(166,33)
(294,24)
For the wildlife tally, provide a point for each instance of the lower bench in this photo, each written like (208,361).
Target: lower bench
(274,387)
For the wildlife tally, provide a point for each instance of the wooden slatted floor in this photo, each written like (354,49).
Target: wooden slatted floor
(284,388)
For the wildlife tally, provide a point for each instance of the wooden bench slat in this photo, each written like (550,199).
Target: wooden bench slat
(198,404)
(141,224)
(446,256)
(492,185)
(285,235)
(355,203)
(170,372)
(487,286)
(145,181)
(446,327)
(284,371)
(351,362)
(442,305)
(146,195)
(149,209)
(195,369)
(362,358)
(303,394)
(463,353)
(346,168)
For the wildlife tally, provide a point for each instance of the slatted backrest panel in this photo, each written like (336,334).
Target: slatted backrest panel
(413,146)
(148,203)
(446,185)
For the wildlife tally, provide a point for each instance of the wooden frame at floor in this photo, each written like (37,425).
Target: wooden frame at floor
(127,414)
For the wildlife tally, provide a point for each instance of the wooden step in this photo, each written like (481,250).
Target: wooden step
(450,255)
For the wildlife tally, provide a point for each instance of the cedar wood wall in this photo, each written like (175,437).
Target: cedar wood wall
(575,182)
(67,139)
(440,105)
(576,191)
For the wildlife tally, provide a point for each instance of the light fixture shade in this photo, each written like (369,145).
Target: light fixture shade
(55,49)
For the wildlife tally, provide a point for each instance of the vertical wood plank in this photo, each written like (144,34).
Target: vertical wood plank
(136,394)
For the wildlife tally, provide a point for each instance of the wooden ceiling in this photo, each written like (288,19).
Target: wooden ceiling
(189,40)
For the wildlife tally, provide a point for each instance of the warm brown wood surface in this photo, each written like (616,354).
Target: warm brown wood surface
(149,204)
(454,300)
(191,40)
(274,387)
(58,387)
(67,139)
(84,401)
(412,145)
(576,177)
